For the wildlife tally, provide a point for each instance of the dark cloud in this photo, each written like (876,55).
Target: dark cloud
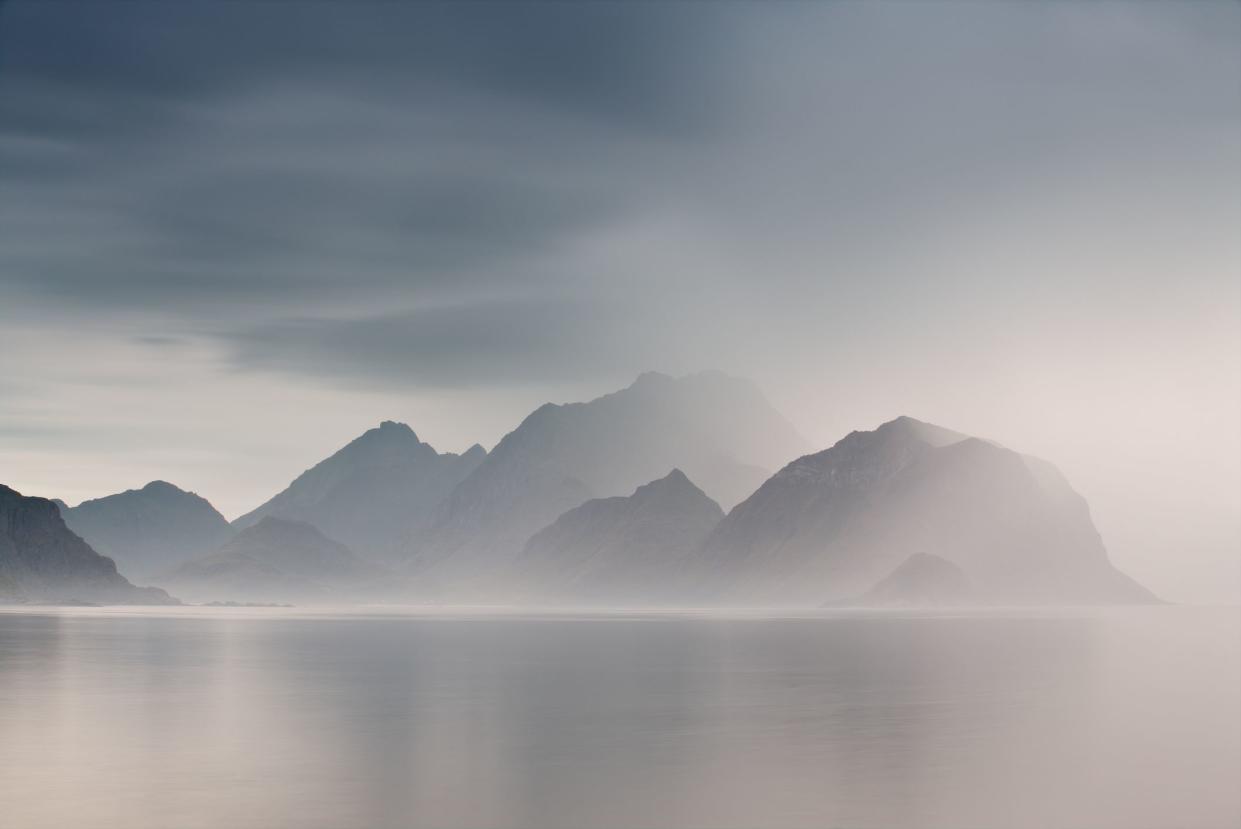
(202,156)
(607,60)
(349,180)
(318,200)
(493,342)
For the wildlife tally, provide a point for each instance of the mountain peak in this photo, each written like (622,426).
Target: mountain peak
(676,476)
(273,530)
(651,378)
(923,579)
(902,422)
(832,523)
(622,548)
(10,493)
(705,377)
(720,430)
(392,429)
(907,426)
(42,559)
(150,529)
(378,442)
(672,482)
(158,487)
(371,493)
(673,491)
(275,559)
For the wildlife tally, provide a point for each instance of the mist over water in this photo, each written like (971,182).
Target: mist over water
(261,718)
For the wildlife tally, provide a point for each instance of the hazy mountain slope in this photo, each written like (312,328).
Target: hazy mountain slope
(922,580)
(627,550)
(830,525)
(373,493)
(42,560)
(149,530)
(275,561)
(718,429)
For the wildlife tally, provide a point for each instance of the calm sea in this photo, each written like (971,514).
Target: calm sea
(282,718)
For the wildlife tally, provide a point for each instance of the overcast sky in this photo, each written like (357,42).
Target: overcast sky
(234,235)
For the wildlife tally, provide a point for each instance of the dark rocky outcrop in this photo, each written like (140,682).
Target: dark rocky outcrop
(42,560)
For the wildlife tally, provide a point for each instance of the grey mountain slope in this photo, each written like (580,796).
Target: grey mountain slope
(275,560)
(718,429)
(922,580)
(374,493)
(624,550)
(149,530)
(42,560)
(829,525)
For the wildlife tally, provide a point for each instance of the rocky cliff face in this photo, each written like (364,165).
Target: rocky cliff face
(149,530)
(828,526)
(373,494)
(41,560)
(275,561)
(718,429)
(626,550)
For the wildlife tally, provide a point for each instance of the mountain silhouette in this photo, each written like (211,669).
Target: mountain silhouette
(829,525)
(374,493)
(149,530)
(42,560)
(627,550)
(275,560)
(720,430)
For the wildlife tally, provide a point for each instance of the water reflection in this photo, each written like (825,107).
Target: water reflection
(879,720)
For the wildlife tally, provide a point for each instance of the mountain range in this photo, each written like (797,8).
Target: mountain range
(148,530)
(662,493)
(831,524)
(275,560)
(719,430)
(374,493)
(624,550)
(41,560)
(922,580)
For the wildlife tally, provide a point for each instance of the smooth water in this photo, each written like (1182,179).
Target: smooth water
(272,719)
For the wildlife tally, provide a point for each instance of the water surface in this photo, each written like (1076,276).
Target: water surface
(235,718)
